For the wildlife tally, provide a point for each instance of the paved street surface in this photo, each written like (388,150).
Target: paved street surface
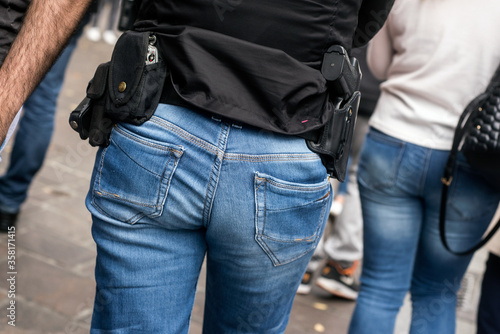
(54,252)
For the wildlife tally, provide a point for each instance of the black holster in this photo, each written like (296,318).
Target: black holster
(335,137)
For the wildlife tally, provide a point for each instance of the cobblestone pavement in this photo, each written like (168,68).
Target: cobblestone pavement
(54,262)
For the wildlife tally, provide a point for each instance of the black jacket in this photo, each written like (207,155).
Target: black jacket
(11,17)
(257,61)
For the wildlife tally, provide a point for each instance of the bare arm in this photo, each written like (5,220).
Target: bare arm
(45,31)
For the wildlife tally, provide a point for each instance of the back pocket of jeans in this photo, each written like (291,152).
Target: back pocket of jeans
(470,191)
(133,176)
(290,217)
(379,161)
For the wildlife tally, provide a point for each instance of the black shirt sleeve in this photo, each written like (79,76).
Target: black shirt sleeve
(11,17)
(372,16)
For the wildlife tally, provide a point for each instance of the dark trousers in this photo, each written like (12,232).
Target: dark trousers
(488,317)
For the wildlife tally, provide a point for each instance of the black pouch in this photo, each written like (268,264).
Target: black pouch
(81,118)
(136,77)
(89,118)
(126,89)
(334,143)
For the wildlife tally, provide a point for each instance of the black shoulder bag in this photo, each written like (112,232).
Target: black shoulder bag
(477,136)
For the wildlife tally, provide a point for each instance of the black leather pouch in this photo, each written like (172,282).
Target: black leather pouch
(136,78)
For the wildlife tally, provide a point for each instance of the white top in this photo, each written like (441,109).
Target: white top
(12,128)
(437,55)
(494,244)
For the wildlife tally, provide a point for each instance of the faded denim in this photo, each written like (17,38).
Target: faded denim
(183,188)
(400,190)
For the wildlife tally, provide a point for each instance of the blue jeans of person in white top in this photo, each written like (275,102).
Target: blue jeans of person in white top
(185,187)
(400,192)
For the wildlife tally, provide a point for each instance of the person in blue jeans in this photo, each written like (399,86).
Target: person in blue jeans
(424,53)
(32,139)
(185,194)
(195,184)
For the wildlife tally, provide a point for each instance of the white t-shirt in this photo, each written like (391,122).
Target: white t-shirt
(12,128)
(436,56)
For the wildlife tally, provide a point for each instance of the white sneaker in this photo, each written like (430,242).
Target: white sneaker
(93,34)
(306,284)
(336,208)
(109,37)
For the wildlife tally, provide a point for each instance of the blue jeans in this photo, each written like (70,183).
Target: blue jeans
(33,135)
(400,192)
(488,312)
(184,186)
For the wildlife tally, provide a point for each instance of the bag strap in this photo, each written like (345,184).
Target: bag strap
(463,125)
(442,233)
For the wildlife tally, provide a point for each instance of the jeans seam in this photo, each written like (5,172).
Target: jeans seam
(285,186)
(131,220)
(214,179)
(270,157)
(231,156)
(260,237)
(145,142)
(421,189)
(101,192)
(184,134)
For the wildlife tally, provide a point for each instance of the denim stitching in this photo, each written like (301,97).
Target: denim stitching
(264,191)
(278,262)
(103,192)
(134,160)
(94,202)
(174,167)
(101,167)
(131,220)
(184,134)
(308,238)
(426,163)
(231,156)
(145,142)
(219,158)
(270,157)
(286,186)
(381,138)
(259,234)
(162,179)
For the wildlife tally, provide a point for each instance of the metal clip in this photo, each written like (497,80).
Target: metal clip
(152,55)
